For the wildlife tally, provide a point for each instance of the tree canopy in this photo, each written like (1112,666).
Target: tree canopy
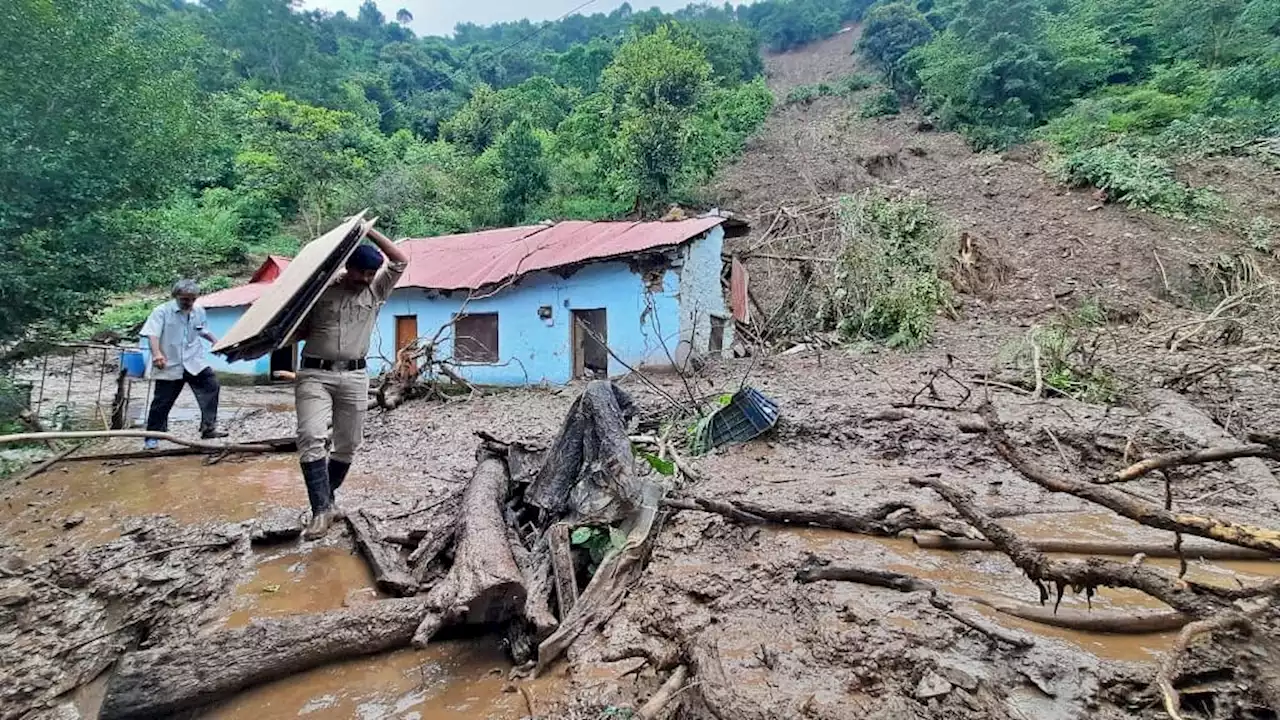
(147,139)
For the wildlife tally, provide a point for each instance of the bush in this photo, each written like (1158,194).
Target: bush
(1065,354)
(889,287)
(125,315)
(805,94)
(1137,179)
(881,104)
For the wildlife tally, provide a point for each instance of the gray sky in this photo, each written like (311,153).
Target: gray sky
(437,17)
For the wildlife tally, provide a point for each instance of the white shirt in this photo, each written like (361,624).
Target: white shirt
(178,334)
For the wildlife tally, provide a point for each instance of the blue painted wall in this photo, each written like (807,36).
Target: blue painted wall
(220,321)
(649,321)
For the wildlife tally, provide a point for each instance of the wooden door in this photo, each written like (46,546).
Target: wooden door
(406,331)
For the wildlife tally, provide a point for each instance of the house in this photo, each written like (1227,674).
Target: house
(542,303)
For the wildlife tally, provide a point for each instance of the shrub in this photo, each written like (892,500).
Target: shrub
(1064,353)
(881,104)
(888,283)
(1137,179)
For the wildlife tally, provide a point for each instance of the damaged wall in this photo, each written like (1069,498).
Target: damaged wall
(701,296)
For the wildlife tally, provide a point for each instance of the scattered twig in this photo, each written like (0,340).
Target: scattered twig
(1145,513)
(193,546)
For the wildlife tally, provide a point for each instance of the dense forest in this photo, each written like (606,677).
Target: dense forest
(1120,88)
(152,138)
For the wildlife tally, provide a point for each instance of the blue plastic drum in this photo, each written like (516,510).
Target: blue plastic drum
(134,363)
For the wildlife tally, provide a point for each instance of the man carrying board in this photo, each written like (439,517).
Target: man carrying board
(332,383)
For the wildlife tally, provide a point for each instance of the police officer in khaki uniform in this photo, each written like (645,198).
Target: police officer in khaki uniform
(332,382)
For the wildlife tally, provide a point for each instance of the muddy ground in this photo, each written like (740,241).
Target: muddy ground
(723,593)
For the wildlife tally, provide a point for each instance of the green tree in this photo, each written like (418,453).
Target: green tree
(889,33)
(523,168)
(93,122)
(655,84)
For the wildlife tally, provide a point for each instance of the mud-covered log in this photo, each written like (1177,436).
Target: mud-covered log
(1243,535)
(166,681)
(590,469)
(390,571)
(1100,547)
(561,558)
(535,565)
(436,535)
(484,584)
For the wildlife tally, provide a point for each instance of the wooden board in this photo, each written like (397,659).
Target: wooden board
(298,284)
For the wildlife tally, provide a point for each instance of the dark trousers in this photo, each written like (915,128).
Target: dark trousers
(204,386)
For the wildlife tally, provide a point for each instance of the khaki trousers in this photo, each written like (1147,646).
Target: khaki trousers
(323,394)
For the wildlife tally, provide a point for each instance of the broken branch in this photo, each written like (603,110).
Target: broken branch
(1189,457)
(1249,536)
(1086,574)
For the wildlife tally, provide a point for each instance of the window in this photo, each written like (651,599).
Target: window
(475,338)
(716,343)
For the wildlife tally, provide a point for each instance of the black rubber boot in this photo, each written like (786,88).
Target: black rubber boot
(337,473)
(316,476)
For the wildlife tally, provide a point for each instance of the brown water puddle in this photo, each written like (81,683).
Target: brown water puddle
(98,497)
(991,575)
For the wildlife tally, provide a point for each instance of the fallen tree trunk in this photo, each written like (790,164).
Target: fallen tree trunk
(484,584)
(1250,536)
(589,473)
(166,681)
(1097,547)
(390,571)
(97,434)
(280,445)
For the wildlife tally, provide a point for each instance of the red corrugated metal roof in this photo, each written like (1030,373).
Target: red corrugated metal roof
(245,294)
(477,260)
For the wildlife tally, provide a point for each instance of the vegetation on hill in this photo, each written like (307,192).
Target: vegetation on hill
(148,139)
(1119,87)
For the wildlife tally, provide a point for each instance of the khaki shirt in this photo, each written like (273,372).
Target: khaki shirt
(340,323)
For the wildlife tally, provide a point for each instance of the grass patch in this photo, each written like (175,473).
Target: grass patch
(122,317)
(889,286)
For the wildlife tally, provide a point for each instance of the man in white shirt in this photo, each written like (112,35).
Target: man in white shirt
(174,332)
